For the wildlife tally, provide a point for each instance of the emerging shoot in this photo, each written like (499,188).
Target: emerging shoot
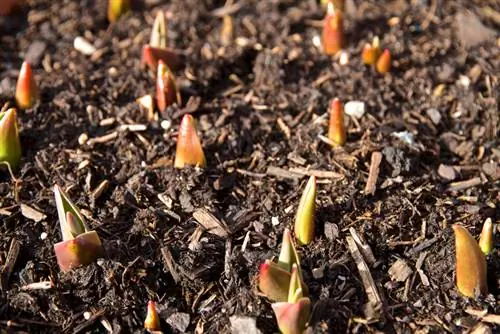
(292,314)
(116,8)
(152,321)
(147,107)
(26,89)
(486,238)
(336,128)
(470,264)
(189,150)
(166,89)
(159,32)
(383,65)
(275,278)
(80,246)
(333,31)
(10,145)
(304,221)
(371,52)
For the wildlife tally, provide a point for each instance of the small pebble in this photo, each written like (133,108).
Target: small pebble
(165,125)
(434,115)
(82,139)
(275,221)
(447,172)
(355,109)
(318,273)
(43,236)
(83,46)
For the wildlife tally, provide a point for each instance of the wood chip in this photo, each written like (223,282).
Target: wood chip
(374,309)
(283,127)
(10,261)
(317,173)
(30,213)
(194,239)
(371,183)
(400,271)
(363,247)
(103,139)
(447,172)
(170,264)
(210,223)
(101,188)
(462,185)
(484,316)
(282,173)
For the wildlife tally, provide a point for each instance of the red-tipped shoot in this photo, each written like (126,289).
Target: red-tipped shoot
(304,221)
(292,317)
(333,31)
(151,55)
(26,89)
(80,246)
(166,88)
(336,128)
(152,321)
(371,52)
(117,8)
(8,6)
(384,62)
(189,150)
(470,264)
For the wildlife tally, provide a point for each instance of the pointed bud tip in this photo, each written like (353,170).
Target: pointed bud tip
(10,145)
(26,88)
(486,238)
(152,321)
(384,62)
(470,264)
(304,221)
(336,127)
(189,150)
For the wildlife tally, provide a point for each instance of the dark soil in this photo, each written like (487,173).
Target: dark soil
(244,88)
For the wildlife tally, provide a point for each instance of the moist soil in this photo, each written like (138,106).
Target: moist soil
(260,100)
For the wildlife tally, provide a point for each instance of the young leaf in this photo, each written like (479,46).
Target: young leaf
(292,317)
(274,281)
(288,254)
(470,264)
(189,150)
(304,221)
(80,246)
(333,31)
(151,55)
(152,321)
(82,250)
(26,89)
(10,145)
(166,88)
(64,206)
(336,128)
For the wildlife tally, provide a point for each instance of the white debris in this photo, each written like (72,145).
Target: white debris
(83,46)
(434,115)
(463,81)
(275,221)
(343,58)
(355,109)
(405,136)
(316,40)
(43,236)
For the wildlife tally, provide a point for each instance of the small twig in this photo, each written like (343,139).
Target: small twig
(211,223)
(10,261)
(317,173)
(170,264)
(375,304)
(103,139)
(284,127)
(371,183)
(484,316)
(462,185)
